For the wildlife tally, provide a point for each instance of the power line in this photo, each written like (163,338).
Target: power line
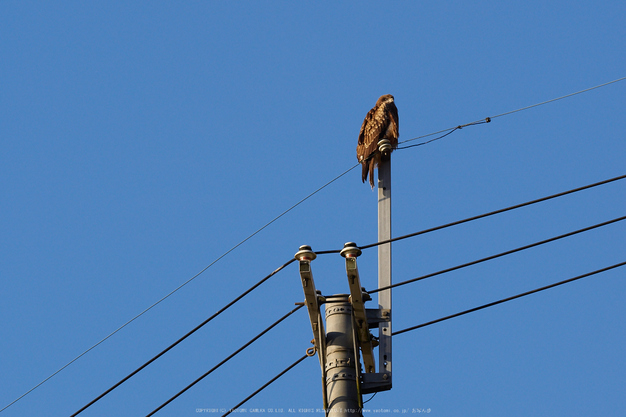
(504,300)
(180,286)
(491,213)
(488,119)
(449,130)
(227,359)
(370,398)
(479,122)
(559,98)
(267,384)
(480,216)
(184,337)
(489,258)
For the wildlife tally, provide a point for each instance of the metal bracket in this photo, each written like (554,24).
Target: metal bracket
(313,299)
(357,298)
(371,383)
(376,316)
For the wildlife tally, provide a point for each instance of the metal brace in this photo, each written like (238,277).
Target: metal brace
(313,300)
(357,297)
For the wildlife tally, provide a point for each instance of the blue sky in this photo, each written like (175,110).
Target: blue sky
(142,140)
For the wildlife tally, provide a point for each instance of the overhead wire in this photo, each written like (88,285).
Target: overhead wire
(370,398)
(569,234)
(184,337)
(180,286)
(558,98)
(489,258)
(226,359)
(454,129)
(482,121)
(480,216)
(486,120)
(491,213)
(266,385)
(504,300)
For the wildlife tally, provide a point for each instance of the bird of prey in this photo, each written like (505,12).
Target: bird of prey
(380,123)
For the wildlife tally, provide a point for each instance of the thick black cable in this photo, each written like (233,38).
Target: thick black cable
(489,258)
(504,300)
(181,285)
(226,360)
(491,213)
(266,385)
(480,216)
(371,398)
(184,337)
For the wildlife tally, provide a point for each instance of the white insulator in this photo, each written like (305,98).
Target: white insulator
(384,146)
(350,250)
(305,254)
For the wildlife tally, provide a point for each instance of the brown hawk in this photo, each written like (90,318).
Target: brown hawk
(380,123)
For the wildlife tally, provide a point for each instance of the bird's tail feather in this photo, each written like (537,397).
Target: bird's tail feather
(364,169)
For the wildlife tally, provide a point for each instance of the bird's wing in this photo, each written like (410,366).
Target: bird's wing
(392,112)
(371,130)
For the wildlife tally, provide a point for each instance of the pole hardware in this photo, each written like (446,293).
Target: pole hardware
(384,146)
(357,298)
(348,322)
(342,369)
(313,299)
(384,273)
(365,319)
(376,316)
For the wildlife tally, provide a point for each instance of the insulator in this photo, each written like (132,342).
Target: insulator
(350,249)
(305,253)
(384,146)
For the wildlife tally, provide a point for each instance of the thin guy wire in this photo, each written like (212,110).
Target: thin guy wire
(471,310)
(266,385)
(179,287)
(486,120)
(489,258)
(226,360)
(183,338)
(559,98)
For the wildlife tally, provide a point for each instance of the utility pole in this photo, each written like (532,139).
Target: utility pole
(348,322)
(342,363)
(384,257)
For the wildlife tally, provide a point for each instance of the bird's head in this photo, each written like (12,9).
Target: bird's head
(387,98)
